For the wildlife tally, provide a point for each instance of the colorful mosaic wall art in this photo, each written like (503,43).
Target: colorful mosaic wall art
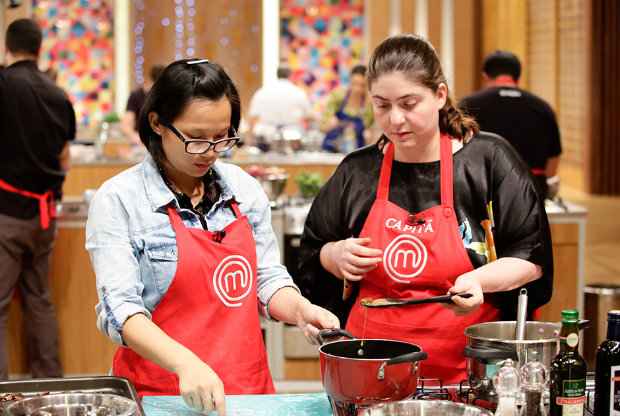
(321,40)
(78,46)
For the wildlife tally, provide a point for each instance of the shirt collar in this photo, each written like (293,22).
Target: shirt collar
(160,196)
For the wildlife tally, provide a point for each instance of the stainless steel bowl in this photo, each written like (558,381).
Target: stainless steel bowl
(424,408)
(73,404)
(273,185)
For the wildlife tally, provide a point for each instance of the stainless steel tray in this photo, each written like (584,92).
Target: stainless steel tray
(103,384)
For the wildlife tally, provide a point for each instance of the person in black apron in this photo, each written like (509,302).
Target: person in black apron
(334,137)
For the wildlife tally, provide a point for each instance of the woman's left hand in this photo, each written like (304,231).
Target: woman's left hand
(312,318)
(466,284)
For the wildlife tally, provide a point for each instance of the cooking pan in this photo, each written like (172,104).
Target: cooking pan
(357,373)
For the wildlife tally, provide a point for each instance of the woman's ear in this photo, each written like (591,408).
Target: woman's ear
(442,94)
(156,126)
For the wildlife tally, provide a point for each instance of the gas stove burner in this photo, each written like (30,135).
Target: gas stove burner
(431,389)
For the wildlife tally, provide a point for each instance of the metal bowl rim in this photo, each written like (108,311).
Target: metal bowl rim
(484,412)
(512,341)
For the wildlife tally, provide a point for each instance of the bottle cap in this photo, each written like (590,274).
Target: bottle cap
(570,315)
(613,315)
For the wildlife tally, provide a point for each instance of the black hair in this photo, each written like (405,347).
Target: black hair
(359,70)
(283,72)
(416,58)
(502,63)
(155,72)
(23,36)
(179,83)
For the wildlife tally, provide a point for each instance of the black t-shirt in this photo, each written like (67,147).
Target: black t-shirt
(520,117)
(36,121)
(135,102)
(485,169)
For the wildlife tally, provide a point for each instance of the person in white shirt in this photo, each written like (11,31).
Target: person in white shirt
(279,104)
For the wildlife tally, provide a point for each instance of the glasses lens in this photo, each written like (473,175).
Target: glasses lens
(197,147)
(224,145)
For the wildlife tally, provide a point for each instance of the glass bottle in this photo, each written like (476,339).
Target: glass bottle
(506,383)
(568,371)
(533,384)
(607,385)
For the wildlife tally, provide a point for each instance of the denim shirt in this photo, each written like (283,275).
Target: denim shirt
(133,248)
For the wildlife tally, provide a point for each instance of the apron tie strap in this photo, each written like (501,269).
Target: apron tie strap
(47,205)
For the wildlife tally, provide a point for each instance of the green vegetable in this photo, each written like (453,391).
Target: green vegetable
(309,184)
(111,118)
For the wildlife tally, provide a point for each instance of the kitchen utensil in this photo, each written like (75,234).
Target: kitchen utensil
(73,404)
(424,408)
(97,384)
(387,371)
(385,302)
(521,315)
(491,342)
(273,185)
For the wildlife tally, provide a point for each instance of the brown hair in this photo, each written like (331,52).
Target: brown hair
(417,59)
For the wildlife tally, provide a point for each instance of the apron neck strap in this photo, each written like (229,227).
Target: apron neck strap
(383,188)
(445,163)
(445,150)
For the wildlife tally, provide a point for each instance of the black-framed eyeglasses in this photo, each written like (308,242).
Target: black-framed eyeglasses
(199,147)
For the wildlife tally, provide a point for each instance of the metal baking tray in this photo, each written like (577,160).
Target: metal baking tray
(102,384)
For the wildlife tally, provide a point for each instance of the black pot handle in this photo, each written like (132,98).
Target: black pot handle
(327,334)
(409,357)
(412,357)
(485,354)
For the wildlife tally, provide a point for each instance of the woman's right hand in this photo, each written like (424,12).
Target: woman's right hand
(201,387)
(353,258)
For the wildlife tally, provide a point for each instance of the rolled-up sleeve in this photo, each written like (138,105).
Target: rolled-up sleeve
(272,275)
(115,263)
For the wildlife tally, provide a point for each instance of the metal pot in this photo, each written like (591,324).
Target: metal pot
(73,404)
(424,408)
(359,373)
(491,342)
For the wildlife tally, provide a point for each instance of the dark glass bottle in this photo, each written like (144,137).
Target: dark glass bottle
(568,371)
(607,387)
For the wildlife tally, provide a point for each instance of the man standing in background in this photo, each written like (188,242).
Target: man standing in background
(522,118)
(279,104)
(129,122)
(37,122)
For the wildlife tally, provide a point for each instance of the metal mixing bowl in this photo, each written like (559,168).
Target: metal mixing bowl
(73,404)
(273,185)
(424,408)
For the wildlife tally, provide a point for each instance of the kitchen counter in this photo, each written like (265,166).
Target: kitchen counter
(315,404)
(89,172)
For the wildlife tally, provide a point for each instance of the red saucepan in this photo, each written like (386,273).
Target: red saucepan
(358,373)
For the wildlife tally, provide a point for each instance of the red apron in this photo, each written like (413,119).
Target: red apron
(211,308)
(423,254)
(47,206)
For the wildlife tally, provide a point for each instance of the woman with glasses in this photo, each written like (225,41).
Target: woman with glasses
(184,252)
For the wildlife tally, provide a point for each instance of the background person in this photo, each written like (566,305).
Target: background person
(277,105)
(522,118)
(409,216)
(348,112)
(37,122)
(195,255)
(129,122)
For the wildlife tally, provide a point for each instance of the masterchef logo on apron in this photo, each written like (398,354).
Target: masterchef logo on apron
(232,280)
(405,258)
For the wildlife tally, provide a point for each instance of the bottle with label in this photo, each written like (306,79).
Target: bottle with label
(607,387)
(568,371)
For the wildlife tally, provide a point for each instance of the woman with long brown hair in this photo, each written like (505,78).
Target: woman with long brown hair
(414,215)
